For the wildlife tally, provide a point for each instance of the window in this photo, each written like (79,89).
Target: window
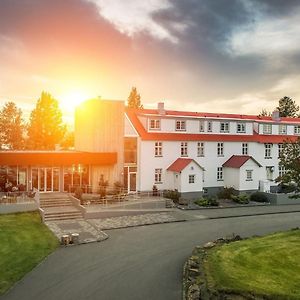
(297,129)
(240,127)
(267,128)
(282,129)
(191,178)
(157,176)
(154,124)
(224,127)
(249,175)
(209,126)
(184,149)
(220,174)
(244,148)
(220,149)
(180,125)
(158,149)
(280,148)
(270,171)
(268,150)
(281,170)
(200,149)
(201,126)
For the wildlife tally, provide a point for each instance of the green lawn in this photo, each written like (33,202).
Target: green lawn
(24,242)
(267,266)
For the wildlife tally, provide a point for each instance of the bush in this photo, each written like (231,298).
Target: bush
(207,202)
(240,199)
(258,197)
(174,195)
(287,188)
(226,193)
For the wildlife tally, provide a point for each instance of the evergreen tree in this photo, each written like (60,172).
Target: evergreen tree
(46,127)
(287,107)
(264,113)
(11,127)
(134,99)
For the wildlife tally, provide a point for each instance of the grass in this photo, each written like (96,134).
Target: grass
(24,242)
(267,266)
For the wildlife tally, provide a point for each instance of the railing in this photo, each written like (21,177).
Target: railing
(16,197)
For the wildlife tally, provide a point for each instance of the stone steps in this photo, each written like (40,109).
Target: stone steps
(63,216)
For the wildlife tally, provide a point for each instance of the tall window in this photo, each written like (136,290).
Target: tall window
(281,170)
(201,126)
(191,178)
(282,129)
(184,149)
(220,149)
(155,124)
(297,129)
(249,175)
(157,176)
(219,173)
(224,127)
(268,150)
(209,126)
(158,149)
(240,127)
(270,171)
(267,128)
(180,125)
(244,148)
(280,148)
(200,149)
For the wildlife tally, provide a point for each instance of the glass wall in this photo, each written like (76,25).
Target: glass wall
(13,177)
(76,176)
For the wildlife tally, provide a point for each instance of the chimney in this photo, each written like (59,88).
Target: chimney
(161,108)
(275,115)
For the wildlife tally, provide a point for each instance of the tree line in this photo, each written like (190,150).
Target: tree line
(43,131)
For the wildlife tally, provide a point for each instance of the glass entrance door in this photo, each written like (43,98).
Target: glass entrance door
(132,182)
(45,179)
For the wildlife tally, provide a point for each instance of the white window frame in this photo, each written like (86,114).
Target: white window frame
(249,175)
(281,171)
(200,149)
(154,124)
(220,149)
(282,129)
(192,178)
(269,172)
(244,148)
(180,125)
(158,149)
(280,148)
(158,176)
(184,149)
(268,150)
(209,126)
(297,129)
(241,127)
(201,126)
(267,128)
(220,174)
(224,127)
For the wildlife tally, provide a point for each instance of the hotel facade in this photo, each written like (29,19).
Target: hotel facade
(191,152)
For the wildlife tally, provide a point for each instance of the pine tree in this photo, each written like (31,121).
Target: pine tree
(11,127)
(46,127)
(287,107)
(134,99)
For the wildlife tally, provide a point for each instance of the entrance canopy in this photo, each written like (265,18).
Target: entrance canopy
(50,158)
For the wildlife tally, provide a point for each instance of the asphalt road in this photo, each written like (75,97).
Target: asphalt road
(135,263)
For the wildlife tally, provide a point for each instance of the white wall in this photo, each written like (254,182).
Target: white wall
(197,186)
(232,178)
(256,175)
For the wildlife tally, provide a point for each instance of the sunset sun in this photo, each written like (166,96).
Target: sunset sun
(70,100)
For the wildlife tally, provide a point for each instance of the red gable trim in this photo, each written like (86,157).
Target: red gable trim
(179,164)
(236,161)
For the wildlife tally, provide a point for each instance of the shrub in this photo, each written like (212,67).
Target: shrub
(174,195)
(258,197)
(207,202)
(226,193)
(241,199)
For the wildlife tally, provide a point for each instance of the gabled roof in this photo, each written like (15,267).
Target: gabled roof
(181,163)
(236,161)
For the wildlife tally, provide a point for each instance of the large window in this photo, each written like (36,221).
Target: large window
(180,125)
(158,176)
(130,149)
(158,149)
(240,127)
(154,124)
(267,128)
(244,148)
(220,149)
(184,149)
(219,173)
(268,151)
(224,127)
(200,149)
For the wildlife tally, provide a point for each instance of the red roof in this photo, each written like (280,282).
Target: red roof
(167,136)
(180,163)
(236,161)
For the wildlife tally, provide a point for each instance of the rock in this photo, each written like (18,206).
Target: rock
(209,245)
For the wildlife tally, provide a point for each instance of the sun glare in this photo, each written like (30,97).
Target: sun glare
(70,100)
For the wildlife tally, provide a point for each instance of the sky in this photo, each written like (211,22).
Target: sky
(236,56)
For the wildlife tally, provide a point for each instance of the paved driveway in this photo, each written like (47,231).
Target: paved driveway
(135,263)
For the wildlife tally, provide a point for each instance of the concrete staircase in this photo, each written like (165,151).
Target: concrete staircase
(58,206)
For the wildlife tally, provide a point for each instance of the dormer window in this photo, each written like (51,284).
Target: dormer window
(241,128)
(180,125)
(297,129)
(267,128)
(282,129)
(201,127)
(154,124)
(224,127)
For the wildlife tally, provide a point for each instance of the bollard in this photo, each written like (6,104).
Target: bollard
(65,239)
(75,238)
